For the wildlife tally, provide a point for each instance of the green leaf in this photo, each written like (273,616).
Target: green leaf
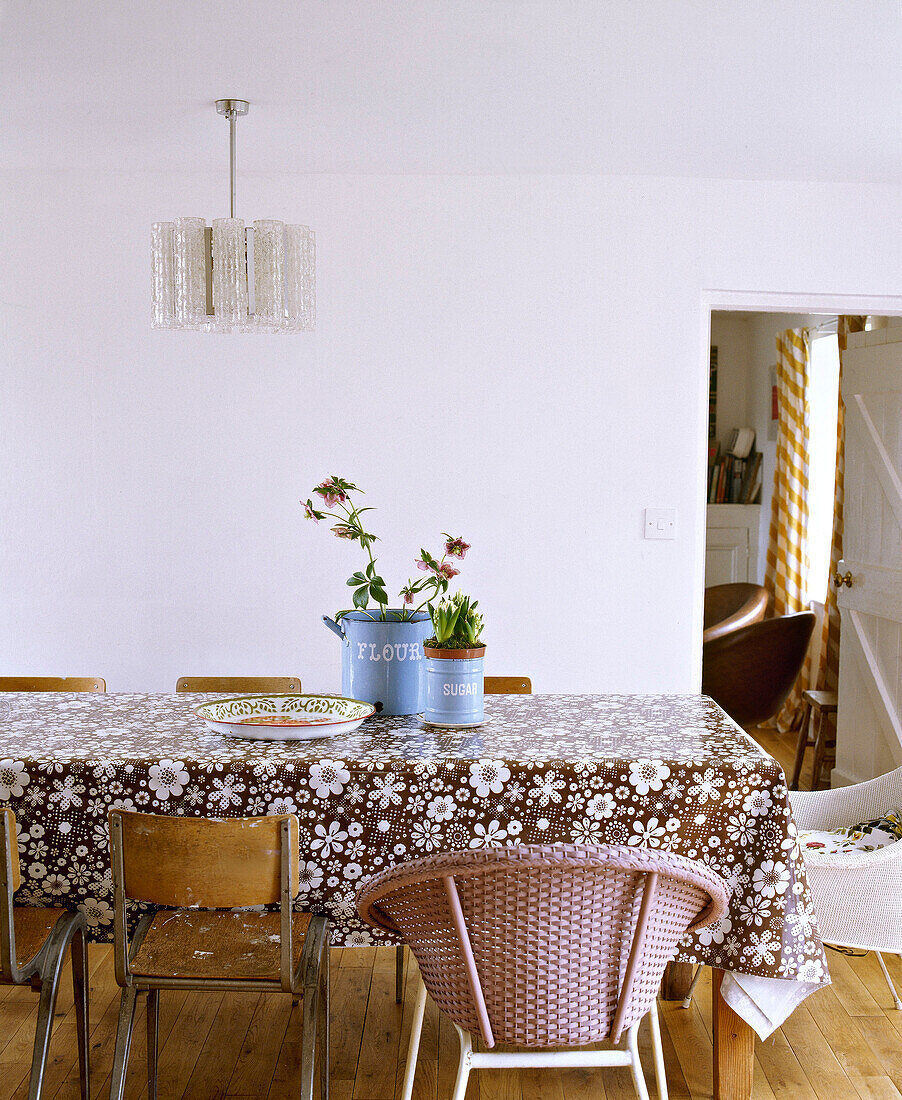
(378,593)
(371,569)
(362,597)
(355,579)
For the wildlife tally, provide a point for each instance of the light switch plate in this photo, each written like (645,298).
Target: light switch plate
(660,523)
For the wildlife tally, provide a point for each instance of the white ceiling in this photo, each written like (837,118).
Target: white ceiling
(770,89)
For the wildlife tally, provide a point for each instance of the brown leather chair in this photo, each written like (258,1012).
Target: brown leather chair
(750,672)
(730,607)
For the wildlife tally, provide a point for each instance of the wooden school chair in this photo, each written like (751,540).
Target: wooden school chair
(52,683)
(508,685)
(191,871)
(33,945)
(241,685)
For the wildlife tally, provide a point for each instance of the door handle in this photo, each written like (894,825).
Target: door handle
(840,579)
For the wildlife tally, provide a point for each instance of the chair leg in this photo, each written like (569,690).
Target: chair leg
(324,1054)
(153,1041)
(801,744)
(463,1066)
(399,973)
(658,1051)
(312,993)
(819,748)
(687,1000)
(60,938)
(42,1038)
(80,985)
(123,1041)
(889,981)
(635,1065)
(413,1048)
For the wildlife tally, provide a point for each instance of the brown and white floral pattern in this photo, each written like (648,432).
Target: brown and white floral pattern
(668,772)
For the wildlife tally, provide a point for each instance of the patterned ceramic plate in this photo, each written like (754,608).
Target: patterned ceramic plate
(284,717)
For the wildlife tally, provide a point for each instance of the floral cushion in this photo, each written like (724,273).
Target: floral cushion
(866,836)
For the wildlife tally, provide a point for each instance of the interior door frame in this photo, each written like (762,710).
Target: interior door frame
(752,301)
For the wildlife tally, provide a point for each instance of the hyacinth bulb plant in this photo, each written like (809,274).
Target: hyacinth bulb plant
(335,499)
(456,624)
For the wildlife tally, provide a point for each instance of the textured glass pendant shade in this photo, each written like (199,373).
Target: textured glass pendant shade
(232,279)
(255,280)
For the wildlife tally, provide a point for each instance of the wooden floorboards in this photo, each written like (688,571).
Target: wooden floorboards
(843,1043)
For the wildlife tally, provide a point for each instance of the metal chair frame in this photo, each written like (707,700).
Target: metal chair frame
(43,971)
(310,977)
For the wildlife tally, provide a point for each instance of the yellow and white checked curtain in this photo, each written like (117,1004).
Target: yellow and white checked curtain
(787,550)
(828,666)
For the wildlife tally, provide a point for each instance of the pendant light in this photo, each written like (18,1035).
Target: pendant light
(228,278)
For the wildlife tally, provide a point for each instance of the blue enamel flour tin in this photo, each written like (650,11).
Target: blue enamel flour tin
(454,691)
(382,662)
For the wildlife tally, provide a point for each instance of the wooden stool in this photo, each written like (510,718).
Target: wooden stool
(820,705)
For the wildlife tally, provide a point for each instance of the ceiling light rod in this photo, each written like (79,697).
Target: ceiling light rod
(232,108)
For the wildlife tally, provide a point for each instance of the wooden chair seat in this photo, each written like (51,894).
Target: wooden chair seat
(214,945)
(33,926)
(827,701)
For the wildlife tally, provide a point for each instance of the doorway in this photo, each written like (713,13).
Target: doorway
(740,353)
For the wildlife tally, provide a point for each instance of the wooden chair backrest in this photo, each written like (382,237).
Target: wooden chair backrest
(203,862)
(52,683)
(241,685)
(11,845)
(508,685)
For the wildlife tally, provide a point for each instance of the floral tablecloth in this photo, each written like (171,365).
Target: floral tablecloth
(669,772)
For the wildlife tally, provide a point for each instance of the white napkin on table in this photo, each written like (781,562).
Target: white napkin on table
(764,1003)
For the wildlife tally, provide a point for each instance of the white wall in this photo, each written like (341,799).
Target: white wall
(521,360)
(731,335)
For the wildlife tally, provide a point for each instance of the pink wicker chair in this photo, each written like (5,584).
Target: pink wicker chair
(544,945)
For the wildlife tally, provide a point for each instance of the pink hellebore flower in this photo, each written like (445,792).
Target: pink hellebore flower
(309,512)
(331,493)
(447,570)
(457,548)
(342,531)
(407,593)
(422,565)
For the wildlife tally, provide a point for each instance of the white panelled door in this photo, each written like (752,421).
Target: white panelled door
(869,719)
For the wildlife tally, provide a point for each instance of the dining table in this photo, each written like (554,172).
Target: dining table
(668,772)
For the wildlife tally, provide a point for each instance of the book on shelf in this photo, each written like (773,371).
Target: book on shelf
(734,473)
(752,486)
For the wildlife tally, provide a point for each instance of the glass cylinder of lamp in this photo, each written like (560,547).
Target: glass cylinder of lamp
(229,273)
(190,273)
(269,265)
(299,293)
(163,306)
